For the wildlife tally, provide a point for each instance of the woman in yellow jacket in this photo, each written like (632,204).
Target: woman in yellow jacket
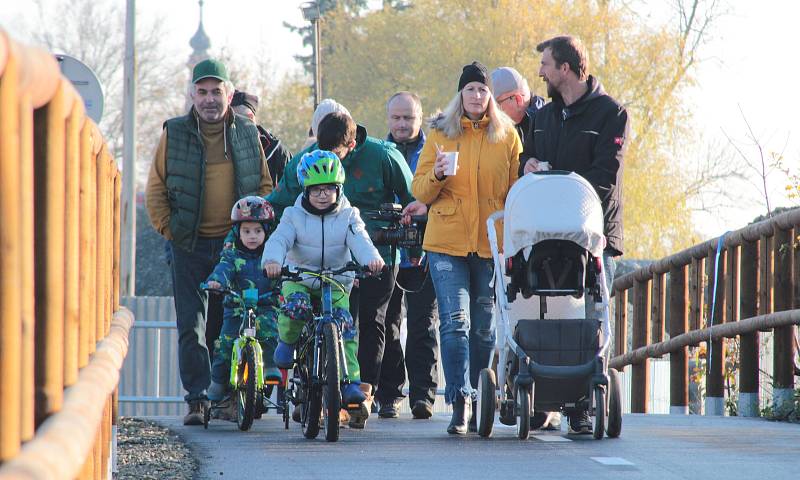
(456,240)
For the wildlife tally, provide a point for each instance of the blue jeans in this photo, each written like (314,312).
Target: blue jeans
(189,270)
(466,319)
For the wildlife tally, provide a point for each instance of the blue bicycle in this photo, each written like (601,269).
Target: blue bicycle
(320,367)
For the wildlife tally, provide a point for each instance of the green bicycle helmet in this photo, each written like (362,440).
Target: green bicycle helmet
(320,167)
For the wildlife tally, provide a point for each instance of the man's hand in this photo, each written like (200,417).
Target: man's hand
(415,261)
(532,165)
(414,208)
(375,266)
(214,285)
(272,269)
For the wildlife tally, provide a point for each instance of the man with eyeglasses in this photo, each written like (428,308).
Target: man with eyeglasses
(512,94)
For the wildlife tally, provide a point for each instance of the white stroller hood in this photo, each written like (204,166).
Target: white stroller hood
(552,207)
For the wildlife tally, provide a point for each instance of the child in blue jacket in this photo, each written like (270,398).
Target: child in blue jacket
(238,269)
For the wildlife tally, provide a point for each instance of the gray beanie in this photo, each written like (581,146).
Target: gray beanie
(324,108)
(507,80)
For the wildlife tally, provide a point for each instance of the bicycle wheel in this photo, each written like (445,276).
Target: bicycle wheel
(246,390)
(312,405)
(332,393)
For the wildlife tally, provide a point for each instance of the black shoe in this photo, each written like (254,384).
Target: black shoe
(390,409)
(580,423)
(461,410)
(422,409)
(473,419)
(196,413)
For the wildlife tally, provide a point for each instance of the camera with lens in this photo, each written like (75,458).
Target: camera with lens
(396,234)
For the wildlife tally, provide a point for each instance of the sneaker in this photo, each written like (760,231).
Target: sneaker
(297,414)
(390,409)
(272,373)
(352,394)
(217,391)
(227,410)
(284,355)
(422,410)
(580,423)
(196,413)
(359,416)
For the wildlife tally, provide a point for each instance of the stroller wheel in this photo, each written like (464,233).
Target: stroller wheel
(599,412)
(523,400)
(614,404)
(487,402)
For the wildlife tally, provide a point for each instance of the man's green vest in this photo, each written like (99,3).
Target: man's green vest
(186,171)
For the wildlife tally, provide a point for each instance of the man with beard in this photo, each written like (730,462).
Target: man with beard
(404,112)
(582,130)
(205,161)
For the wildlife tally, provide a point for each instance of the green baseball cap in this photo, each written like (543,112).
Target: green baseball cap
(210,68)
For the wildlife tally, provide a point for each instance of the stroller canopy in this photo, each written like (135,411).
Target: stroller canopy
(552,206)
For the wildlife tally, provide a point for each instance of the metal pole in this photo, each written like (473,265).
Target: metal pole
(128,248)
(317,64)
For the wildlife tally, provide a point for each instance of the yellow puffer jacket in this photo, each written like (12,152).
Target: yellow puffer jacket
(459,205)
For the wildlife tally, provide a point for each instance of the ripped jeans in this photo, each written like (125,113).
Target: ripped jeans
(466,318)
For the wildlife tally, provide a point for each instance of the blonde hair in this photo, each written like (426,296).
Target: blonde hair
(449,121)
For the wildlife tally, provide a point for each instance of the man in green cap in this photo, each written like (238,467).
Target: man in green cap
(205,161)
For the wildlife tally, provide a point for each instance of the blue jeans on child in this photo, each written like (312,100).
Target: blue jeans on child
(466,318)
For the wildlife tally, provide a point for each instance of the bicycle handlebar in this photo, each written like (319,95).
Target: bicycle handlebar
(362,271)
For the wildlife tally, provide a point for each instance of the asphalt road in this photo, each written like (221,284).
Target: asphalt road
(650,447)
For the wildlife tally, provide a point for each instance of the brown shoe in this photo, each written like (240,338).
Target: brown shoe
(358,417)
(344,418)
(196,412)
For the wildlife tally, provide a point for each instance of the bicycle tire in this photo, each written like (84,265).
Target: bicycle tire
(312,407)
(332,393)
(246,390)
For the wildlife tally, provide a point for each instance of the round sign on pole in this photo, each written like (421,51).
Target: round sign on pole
(86,83)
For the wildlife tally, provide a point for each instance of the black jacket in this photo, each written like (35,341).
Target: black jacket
(276,154)
(587,138)
(524,126)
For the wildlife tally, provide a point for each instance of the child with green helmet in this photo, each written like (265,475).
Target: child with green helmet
(321,230)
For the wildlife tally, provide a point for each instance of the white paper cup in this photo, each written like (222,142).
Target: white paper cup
(452,163)
(543,166)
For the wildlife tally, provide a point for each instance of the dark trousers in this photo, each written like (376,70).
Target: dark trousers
(189,270)
(377,347)
(422,347)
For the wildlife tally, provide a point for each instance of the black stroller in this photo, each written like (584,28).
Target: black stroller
(552,247)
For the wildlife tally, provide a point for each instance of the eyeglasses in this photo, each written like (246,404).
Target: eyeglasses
(500,102)
(317,191)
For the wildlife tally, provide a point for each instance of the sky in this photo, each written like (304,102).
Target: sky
(749,62)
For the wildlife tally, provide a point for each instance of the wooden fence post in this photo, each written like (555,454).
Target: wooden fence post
(783,360)
(49,189)
(715,349)
(748,343)
(640,372)
(10,256)
(679,324)
(621,323)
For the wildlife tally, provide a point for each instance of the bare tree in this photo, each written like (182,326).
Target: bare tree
(764,164)
(93,32)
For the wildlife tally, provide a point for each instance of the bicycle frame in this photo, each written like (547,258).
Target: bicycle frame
(247,336)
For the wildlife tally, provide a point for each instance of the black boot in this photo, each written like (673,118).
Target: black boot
(462,407)
(473,418)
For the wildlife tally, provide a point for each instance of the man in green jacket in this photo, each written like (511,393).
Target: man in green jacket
(205,161)
(376,173)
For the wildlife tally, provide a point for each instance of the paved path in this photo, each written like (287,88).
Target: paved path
(651,447)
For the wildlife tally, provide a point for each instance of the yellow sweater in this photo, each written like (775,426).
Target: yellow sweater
(460,204)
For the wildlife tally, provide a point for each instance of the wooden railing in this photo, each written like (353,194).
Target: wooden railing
(757,286)
(63,336)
